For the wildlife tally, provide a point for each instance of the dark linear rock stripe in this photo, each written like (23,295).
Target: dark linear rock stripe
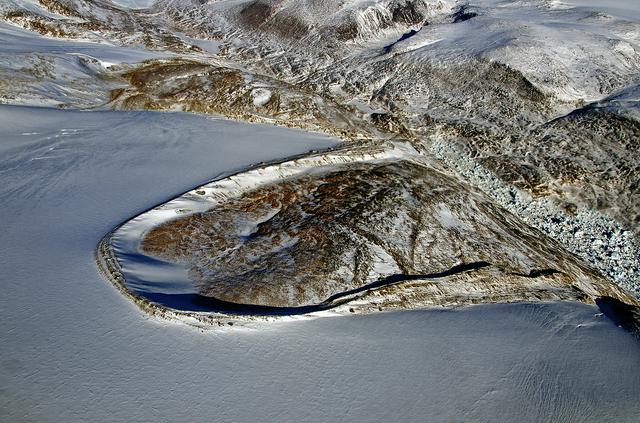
(196,302)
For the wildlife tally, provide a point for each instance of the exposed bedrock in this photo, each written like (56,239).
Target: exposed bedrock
(303,240)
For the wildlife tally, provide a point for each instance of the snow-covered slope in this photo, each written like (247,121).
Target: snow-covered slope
(73,349)
(39,70)
(134,4)
(620,8)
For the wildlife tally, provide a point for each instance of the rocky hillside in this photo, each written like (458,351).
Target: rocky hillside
(336,228)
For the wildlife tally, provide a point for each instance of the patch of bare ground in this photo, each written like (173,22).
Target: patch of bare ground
(304,240)
(214,89)
(39,24)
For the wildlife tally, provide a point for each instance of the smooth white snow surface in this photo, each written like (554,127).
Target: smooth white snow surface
(565,49)
(261,96)
(74,349)
(619,8)
(134,4)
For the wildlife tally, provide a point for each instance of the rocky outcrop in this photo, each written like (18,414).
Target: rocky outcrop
(333,230)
